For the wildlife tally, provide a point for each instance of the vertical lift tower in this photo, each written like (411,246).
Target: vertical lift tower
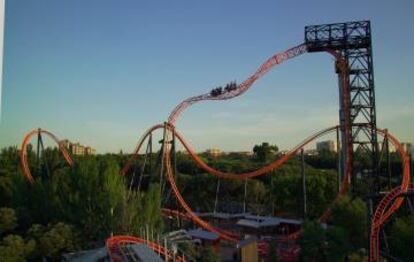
(353,41)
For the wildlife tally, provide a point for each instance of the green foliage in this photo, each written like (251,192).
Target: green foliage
(311,241)
(324,160)
(337,244)
(204,185)
(346,233)
(54,240)
(207,254)
(91,197)
(100,204)
(287,189)
(186,165)
(257,191)
(8,220)
(151,205)
(318,244)
(402,238)
(352,216)
(9,162)
(13,248)
(272,251)
(358,256)
(265,152)
(189,249)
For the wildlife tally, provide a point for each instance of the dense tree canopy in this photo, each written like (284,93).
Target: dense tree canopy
(402,238)
(265,152)
(73,208)
(68,209)
(351,215)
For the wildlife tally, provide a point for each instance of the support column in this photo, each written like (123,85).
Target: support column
(164,136)
(303,183)
(217,192)
(174,152)
(245,195)
(339,158)
(411,166)
(369,222)
(150,153)
(387,152)
(39,138)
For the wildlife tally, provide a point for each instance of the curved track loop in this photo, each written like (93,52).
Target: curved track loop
(261,171)
(381,214)
(23,152)
(276,59)
(406,178)
(243,87)
(114,247)
(263,69)
(342,69)
(392,198)
(264,170)
(374,243)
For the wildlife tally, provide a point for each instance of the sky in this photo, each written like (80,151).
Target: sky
(100,72)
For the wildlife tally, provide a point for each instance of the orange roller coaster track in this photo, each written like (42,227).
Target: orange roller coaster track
(391,201)
(114,247)
(23,152)
(170,131)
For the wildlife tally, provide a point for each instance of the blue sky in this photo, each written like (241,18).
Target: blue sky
(102,71)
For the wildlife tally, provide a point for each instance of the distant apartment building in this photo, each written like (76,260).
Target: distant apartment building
(244,153)
(77,149)
(215,152)
(90,151)
(65,143)
(311,152)
(408,147)
(325,146)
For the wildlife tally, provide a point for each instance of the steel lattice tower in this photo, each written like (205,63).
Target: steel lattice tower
(353,41)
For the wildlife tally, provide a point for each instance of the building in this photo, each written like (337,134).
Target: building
(311,152)
(215,152)
(77,149)
(325,146)
(90,151)
(244,153)
(408,147)
(65,143)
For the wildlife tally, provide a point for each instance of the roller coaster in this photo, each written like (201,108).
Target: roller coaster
(384,209)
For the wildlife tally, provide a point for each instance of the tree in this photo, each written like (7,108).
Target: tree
(264,152)
(358,256)
(352,216)
(91,194)
(207,254)
(57,239)
(337,244)
(272,251)
(9,165)
(402,238)
(13,248)
(321,190)
(151,214)
(8,220)
(53,240)
(311,241)
(287,189)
